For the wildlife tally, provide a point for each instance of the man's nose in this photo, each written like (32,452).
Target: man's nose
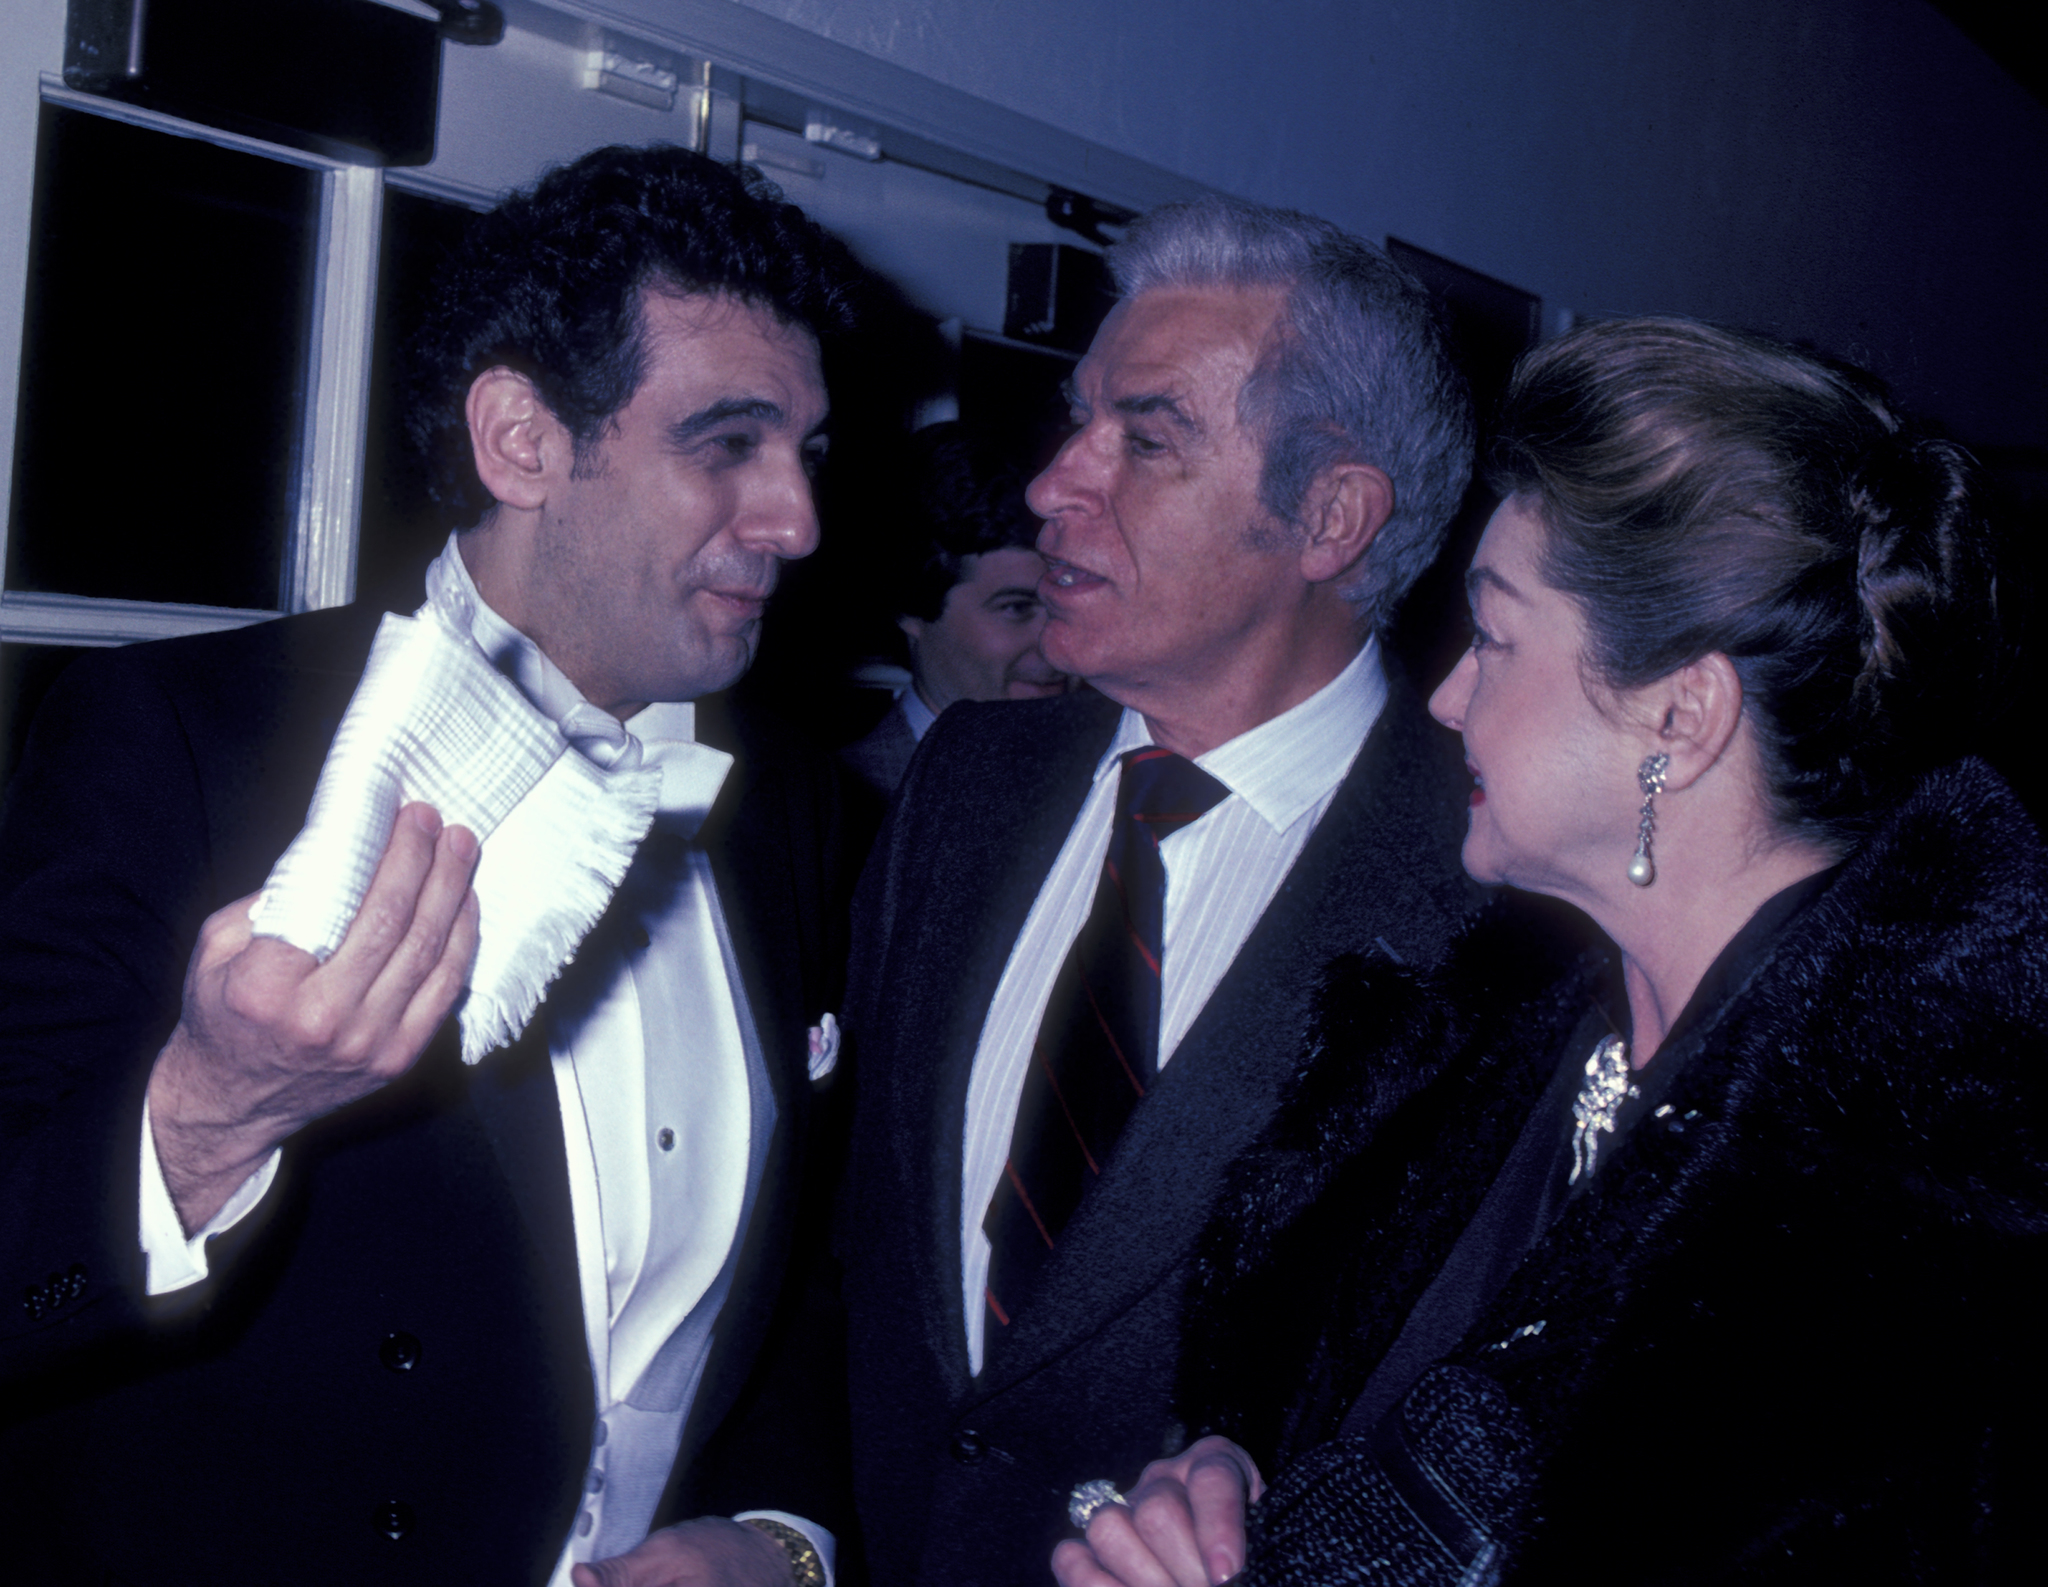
(1067,480)
(784,522)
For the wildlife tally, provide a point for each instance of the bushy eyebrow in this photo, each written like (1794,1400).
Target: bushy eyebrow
(705,420)
(1146,404)
(1143,405)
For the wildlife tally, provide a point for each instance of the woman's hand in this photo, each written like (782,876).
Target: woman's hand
(1181,1526)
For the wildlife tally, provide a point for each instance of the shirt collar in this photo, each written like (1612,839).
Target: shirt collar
(1285,767)
(663,734)
(916,714)
(452,592)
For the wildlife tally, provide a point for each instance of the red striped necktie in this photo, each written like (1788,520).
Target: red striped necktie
(1098,1044)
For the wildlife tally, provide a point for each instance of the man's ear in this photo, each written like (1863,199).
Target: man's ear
(1695,713)
(913,627)
(1345,509)
(516,441)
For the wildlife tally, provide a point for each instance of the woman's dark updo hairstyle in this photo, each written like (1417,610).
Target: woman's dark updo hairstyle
(1706,490)
(549,284)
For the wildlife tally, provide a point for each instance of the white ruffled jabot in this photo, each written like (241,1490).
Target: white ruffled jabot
(433,720)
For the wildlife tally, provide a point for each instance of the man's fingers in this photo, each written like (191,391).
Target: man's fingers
(421,951)
(386,912)
(261,983)
(444,985)
(641,1568)
(709,1551)
(225,933)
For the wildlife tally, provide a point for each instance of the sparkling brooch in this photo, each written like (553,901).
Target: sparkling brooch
(1600,1098)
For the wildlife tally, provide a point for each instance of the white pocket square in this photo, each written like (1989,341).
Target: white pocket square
(824,1038)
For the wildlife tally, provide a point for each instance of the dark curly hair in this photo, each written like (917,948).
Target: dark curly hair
(549,283)
(1709,490)
(962,498)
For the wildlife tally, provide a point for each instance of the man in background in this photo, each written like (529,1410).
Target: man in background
(963,571)
(1086,944)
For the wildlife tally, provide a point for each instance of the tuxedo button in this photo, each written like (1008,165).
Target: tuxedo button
(393,1518)
(639,938)
(969,1446)
(399,1352)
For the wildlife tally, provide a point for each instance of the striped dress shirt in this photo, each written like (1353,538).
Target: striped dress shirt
(1221,873)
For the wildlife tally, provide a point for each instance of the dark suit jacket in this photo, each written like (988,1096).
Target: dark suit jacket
(881,758)
(393,1343)
(961,1481)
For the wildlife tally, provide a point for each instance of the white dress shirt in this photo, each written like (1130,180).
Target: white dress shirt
(1221,872)
(687,1134)
(916,714)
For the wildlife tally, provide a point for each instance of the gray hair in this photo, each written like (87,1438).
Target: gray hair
(1359,374)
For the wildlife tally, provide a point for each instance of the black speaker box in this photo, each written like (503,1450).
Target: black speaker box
(349,79)
(1058,295)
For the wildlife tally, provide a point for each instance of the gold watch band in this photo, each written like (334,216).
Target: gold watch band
(805,1567)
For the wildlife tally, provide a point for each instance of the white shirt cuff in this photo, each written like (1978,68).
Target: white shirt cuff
(170,1260)
(821,1540)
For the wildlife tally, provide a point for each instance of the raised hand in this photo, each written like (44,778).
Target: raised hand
(269,1039)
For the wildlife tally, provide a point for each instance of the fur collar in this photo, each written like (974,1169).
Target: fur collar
(1891,1040)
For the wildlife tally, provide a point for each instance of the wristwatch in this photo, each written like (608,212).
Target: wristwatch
(806,1569)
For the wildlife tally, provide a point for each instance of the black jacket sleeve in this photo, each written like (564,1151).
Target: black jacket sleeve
(103,880)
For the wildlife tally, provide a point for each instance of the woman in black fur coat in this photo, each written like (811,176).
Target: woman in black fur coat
(1708,1255)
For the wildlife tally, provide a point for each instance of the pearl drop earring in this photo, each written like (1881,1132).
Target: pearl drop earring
(1650,778)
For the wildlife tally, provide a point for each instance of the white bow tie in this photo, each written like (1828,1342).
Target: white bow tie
(691,773)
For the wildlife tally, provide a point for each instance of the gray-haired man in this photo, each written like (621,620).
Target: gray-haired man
(1082,963)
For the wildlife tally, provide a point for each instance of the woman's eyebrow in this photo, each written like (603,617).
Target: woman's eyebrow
(1479,577)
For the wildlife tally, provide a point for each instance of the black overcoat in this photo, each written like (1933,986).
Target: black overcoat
(393,1341)
(962,1481)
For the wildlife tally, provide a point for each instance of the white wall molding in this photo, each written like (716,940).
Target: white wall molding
(320,561)
(747,41)
(55,93)
(430,184)
(32,619)
(31,43)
